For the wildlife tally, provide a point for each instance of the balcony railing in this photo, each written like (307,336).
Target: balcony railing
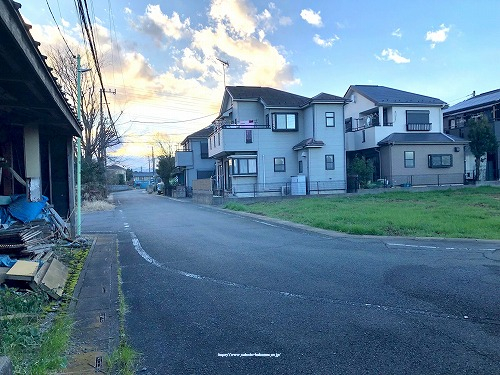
(412,127)
(363,125)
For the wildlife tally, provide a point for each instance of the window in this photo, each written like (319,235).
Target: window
(248,136)
(204,149)
(409,159)
(284,121)
(364,136)
(218,138)
(267,119)
(348,124)
(330,119)
(244,166)
(279,165)
(301,167)
(417,120)
(200,175)
(210,139)
(329,162)
(440,161)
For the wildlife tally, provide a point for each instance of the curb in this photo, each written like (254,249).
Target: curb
(81,277)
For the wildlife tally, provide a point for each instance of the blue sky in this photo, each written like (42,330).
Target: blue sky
(162,58)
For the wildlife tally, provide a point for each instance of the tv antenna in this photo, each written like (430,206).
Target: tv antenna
(225,65)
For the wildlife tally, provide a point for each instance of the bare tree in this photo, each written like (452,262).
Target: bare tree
(98,131)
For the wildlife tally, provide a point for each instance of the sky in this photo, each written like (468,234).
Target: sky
(164,58)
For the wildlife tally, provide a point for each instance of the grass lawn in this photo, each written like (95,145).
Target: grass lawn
(458,213)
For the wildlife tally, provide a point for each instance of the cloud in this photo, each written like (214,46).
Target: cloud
(397,33)
(438,36)
(311,17)
(389,54)
(325,43)
(127,10)
(188,83)
(238,17)
(285,21)
(161,26)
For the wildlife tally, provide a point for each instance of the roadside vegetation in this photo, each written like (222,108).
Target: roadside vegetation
(35,330)
(453,213)
(124,359)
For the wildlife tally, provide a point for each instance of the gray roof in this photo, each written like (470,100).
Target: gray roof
(308,143)
(324,97)
(277,98)
(203,133)
(270,96)
(490,97)
(381,95)
(406,138)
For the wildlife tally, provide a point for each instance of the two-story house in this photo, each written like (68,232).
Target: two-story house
(402,133)
(455,123)
(269,141)
(192,161)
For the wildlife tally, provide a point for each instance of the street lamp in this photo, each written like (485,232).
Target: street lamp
(79,71)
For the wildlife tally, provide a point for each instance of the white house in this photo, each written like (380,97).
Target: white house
(402,133)
(192,161)
(267,141)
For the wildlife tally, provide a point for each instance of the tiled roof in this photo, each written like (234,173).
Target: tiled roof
(406,138)
(203,133)
(324,97)
(271,97)
(385,95)
(474,102)
(307,143)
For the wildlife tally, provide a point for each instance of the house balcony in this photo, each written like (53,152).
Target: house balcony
(232,138)
(183,158)
(417,127)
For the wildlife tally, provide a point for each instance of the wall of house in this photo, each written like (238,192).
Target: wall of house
(198,163)
(393,163)
(395,115)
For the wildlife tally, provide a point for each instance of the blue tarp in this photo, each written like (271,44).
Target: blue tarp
(26,211)
(5,261)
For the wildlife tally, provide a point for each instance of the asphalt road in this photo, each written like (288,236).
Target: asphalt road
(214,292)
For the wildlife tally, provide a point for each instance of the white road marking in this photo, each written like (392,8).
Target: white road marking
(263,222)
(394,309)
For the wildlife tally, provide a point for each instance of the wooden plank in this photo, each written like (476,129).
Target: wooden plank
(54,279)
(39,276)
(23,270)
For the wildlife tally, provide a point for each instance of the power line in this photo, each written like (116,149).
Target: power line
(60,32)
(172,122)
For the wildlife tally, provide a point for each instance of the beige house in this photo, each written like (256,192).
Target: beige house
(402,133)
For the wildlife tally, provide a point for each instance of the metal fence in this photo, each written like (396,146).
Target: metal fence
(285,189)
(423,180)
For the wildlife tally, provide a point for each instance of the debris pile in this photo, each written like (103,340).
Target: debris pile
(28,234)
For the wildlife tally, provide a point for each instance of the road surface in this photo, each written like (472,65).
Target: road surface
(214,292)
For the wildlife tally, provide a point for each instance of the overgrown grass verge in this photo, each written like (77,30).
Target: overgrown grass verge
(34,330)
(459,213)
(97,205)
(124,358)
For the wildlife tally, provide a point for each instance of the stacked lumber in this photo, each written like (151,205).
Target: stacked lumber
(49,276)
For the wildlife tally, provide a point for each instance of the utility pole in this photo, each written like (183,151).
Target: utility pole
(79,71)
(225,65)
(102,130)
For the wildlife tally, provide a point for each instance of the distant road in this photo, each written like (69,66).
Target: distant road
(213,292)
